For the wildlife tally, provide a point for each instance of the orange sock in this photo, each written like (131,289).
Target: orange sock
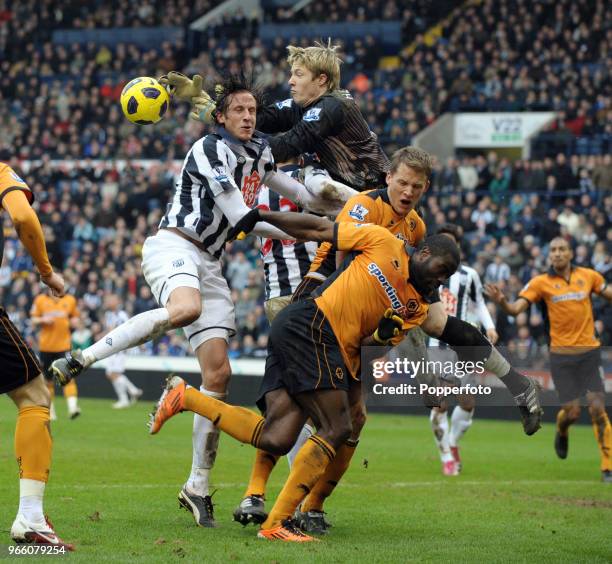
(603,435)
(241,423)
(33,443)
(308,466)
(330,478)
(562,422)
(260,473)
(70,390)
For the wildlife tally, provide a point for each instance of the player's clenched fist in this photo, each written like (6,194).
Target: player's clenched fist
(389,326)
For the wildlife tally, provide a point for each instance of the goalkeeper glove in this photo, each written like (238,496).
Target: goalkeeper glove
(245,225)
(190,90)
(388,327)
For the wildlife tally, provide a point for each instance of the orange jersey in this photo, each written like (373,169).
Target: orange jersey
(376,279)
(9,181)
(55,337)
(568,305)
(369,207)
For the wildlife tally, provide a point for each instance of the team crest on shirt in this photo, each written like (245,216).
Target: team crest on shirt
(250,188)
(412,225)
(284,104)
(359,212)
(412,305)
(580,282)
(178,263)
(312,115)
(339,373)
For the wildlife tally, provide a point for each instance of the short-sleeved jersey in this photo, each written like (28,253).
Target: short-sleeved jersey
(568,305)
(370,207)
(377,278)
(9,181)
(56,336)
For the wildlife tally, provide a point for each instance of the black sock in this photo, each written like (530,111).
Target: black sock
(515,382)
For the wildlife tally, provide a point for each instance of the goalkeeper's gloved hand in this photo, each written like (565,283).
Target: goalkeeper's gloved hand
(245,225)
(389,326)
(203,108)
(182,87)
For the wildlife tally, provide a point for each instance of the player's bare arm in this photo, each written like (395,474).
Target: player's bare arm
(496,294)
(30,233)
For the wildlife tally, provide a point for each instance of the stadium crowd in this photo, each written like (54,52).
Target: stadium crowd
(59,102)
(97,218)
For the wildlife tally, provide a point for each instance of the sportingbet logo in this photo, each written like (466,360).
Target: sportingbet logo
(359,212)
(396,303)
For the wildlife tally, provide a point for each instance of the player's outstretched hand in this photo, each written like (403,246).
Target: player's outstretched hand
(494,292)
(388,327)
(55,282)
(246,224)
(203,108)
(181,86)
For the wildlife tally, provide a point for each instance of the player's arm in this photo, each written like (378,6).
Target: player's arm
(599,285)
(318,122)
(277,117)
(321,203)
(484,316)
(606,293)
(30,233)
(497,295)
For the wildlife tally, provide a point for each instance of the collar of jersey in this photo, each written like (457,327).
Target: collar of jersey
(553,272)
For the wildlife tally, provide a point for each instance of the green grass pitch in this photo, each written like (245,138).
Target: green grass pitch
(113,493)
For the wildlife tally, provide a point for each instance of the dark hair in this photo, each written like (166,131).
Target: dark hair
(441,246)
(451,229)
(231,85)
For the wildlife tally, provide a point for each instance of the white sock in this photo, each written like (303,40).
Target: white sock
(72,403)
(52,414)
(135,331)
(304,435)
(131,389)
(205,440)
(461,421)
(120,389)
(439,426)
(31,494)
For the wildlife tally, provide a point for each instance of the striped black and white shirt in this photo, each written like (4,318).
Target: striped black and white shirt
(285,261)
(462,296)
(215,164)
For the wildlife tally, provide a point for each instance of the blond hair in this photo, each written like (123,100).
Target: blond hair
(318,59)
(417,159)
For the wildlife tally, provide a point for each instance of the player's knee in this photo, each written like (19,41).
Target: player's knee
(358,420)
(338,433)
(218,377)
(183,314)
(468,403)
(572,412)
(34,393)
(277,445)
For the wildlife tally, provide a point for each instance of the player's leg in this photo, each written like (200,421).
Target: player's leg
(46,359)
(471,345)
(564,370)
(208,336)
(215,368)
(438,418)
(320,184)
(461,421)
(311,517)
(330,411)
(22,380)
(596,399)
(170,266)
(130,392)
(71,393)
(123,400)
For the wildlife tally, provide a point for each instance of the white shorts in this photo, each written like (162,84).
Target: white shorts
(115,364)
(170,262)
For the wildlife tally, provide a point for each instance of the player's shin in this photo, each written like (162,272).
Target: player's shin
(136,331)
(461,421)
(33,446)
(306,432)
(308,467)
(603,435)
(328,481)
(205,440)
(439,426)
(241,423)
(260,473)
